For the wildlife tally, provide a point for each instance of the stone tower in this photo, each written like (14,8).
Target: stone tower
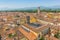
(38,10)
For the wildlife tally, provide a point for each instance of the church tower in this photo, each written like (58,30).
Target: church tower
(38,10)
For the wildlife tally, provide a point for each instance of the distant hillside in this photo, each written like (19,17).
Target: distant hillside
(30,9)
(42,7)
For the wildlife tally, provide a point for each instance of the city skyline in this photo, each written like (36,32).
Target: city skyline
(28,3)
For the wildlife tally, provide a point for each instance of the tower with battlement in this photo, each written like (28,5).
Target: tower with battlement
(38,10)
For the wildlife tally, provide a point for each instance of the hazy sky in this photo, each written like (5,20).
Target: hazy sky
(27,3)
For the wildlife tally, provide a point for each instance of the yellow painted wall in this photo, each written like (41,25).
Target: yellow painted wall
(33,19)
(50,15)
(22,21)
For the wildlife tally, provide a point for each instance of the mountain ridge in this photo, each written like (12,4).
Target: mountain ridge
(31,8)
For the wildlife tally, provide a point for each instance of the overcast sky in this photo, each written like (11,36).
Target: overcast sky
(27,3)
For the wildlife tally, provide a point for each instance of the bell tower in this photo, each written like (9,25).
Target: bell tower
(38,10)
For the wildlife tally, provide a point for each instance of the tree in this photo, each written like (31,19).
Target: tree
(12,35)
(0,37)
(42,38)
(57,35)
